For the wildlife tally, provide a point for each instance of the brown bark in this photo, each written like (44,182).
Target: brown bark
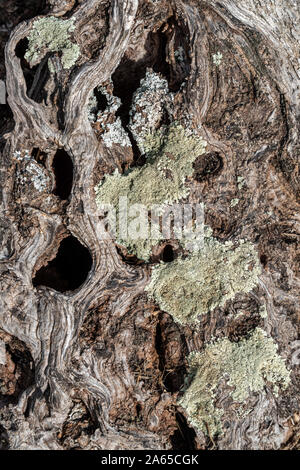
(91,362)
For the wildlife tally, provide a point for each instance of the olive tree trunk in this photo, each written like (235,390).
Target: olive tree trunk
(87,359)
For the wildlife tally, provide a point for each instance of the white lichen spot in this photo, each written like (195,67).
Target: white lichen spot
(32,172)
(51,34)
(234,202)
(37,176)
(113,131)
(241,182)
(217,58)
(149,103)
(263,311)
(92,108)
(248,366)
(116,134)
(113,103)
(22,155)
(179,54)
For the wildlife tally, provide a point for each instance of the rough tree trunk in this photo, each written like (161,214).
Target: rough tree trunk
(88,359)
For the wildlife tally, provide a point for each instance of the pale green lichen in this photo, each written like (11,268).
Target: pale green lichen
(51,34)
(191,286)
(234,202)
(247,366)
(217,58)
(263,311)
(161,181)
(141,247)
(241,182)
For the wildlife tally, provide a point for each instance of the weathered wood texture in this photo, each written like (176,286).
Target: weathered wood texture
(100,366)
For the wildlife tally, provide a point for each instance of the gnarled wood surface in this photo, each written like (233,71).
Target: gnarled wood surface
(99,366)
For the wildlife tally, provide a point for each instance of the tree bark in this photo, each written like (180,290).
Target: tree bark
(89,360)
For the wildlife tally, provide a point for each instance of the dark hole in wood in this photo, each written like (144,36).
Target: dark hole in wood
(68,270)
(173,31)
(63,171)
(263,260)
(160,65)
(39,156)
(4,440)
(207,165)
(7,123)
(101,100)
(172,379)
(184,437)
(138,409)
(28,72)
(21,48)
(126,78)
(36,80)
(23,369)
(36,76)
(168,254)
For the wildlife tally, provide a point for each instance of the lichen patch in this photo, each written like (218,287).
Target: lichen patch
(52,34)
(217,58)
(171,152)
(109,125)
(192,286)
(149,103)
(247,366)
